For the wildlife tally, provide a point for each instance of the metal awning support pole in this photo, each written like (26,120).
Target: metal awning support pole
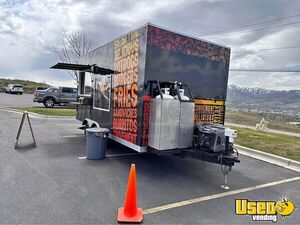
(81,76)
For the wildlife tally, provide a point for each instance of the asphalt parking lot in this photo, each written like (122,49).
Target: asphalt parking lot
(53,184)
(14,100)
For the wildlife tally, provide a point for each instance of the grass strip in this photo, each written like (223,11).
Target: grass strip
(49,111)
(277,144)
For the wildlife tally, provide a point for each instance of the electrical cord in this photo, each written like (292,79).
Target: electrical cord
(267,49)
(249,25)
(251,30)
(237,152)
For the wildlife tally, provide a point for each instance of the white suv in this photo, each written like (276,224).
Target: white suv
(14,88)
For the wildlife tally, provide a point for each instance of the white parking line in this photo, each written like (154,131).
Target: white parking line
(215,196)
(73,136)
(37,116)
(116,155)
(67,124)
(11,111)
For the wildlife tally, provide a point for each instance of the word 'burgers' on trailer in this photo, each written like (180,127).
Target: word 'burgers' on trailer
(159,91)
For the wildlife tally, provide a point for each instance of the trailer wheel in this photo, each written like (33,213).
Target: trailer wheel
(49,102)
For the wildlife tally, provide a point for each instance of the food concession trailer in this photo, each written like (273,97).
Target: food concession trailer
(159,91)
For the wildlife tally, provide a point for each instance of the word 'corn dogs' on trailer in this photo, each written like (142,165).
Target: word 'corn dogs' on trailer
(159,91)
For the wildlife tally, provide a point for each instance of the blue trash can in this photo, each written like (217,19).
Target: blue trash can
(96,141)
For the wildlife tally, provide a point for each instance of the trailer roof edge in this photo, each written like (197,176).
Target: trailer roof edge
(187,35)
(139,27)
(170,30)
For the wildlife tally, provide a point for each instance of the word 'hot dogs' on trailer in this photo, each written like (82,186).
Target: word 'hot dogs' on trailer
(159,91)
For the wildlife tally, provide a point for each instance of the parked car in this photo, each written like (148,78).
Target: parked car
(14,89)
(52,96)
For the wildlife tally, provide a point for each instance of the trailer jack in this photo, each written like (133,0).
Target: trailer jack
(225,171)
(227,168)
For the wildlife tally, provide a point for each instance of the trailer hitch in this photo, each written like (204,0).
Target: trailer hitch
(212,157)
(229,160)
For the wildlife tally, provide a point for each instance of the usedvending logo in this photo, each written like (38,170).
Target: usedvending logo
(264,210)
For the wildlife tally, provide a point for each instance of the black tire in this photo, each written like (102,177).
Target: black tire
(21,93)
(49,102)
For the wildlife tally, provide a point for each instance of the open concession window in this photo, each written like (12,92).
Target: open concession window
(84,73)
(85,84)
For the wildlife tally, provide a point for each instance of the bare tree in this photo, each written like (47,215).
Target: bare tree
(74,45)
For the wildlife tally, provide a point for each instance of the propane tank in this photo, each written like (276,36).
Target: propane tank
(231,133)
(165,94)
(182,96)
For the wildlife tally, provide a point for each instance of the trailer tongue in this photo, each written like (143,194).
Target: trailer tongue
(161,92)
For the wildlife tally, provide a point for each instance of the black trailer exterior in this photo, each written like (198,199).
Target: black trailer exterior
(120,101)
(138,89)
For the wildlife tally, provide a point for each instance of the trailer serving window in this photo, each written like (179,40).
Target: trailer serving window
(84,74)
(85,84)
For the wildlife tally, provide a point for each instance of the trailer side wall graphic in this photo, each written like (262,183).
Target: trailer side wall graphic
(126,60)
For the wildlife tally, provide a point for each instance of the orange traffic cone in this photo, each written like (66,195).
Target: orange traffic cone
(130,212)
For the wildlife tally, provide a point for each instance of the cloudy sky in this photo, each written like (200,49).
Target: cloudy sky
(30,30)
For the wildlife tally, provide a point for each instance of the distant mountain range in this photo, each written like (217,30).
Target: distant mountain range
(259,99)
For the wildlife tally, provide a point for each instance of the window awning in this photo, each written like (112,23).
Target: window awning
(83,68)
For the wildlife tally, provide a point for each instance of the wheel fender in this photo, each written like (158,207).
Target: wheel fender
(90,123)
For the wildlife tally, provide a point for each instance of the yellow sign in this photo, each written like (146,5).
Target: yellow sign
(209,111)
(264,210)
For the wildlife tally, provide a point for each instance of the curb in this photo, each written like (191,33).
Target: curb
(270,158)
(271,131)
(37,115)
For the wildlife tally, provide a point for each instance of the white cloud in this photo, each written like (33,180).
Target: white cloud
(277,59)
(275,81)
(281,38)
(59,78)
(30,29)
